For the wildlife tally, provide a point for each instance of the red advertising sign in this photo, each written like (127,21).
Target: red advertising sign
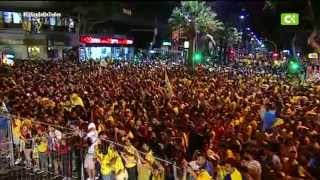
(104,40)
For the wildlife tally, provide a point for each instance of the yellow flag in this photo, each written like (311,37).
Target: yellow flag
(278,122)
(169,90)
(76,100)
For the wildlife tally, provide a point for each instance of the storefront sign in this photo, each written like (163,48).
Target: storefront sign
(104,40)
(166,43)
(313,55)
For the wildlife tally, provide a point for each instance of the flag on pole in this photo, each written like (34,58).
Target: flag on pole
(185,141)
(168,86)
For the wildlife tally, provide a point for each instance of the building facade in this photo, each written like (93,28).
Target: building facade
(29,31)
(45,30)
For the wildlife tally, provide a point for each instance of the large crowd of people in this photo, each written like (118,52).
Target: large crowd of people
(215,124)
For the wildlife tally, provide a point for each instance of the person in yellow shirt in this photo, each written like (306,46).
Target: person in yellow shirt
(158,171)
(16,133)
(228,171)
(104,156)
(145,164)
(130,158)
(42,147)
(118,166)
(203,175)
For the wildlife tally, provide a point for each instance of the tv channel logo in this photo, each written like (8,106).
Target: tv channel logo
(289,19)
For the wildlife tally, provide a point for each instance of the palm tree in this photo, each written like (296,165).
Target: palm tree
(229,37)
(195,18)
(312,37)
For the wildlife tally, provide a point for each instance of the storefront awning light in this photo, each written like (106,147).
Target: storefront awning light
(165,43)
(313,56)
(104,40)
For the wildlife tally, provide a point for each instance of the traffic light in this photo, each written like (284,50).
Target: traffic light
(197,57)
(294,66)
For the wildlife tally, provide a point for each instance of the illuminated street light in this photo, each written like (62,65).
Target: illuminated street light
(241,16)
(248,29)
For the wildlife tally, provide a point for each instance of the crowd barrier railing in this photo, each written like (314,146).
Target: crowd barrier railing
(6,139)
(66,162)
(26,162)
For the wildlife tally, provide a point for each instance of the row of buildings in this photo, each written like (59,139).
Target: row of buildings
(97,30)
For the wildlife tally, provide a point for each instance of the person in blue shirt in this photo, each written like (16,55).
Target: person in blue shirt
(269,117)
(209,167)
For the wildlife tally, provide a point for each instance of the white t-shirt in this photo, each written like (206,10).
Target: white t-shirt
(194,165)
(93,135)
(91,148)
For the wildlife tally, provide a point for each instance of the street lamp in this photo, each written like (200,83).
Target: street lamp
(248,29)
(241,16)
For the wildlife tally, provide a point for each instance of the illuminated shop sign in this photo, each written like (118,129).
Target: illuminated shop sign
(41,14)
(12,17)
(104,40)
(313,56)
(165,43)
(126,11)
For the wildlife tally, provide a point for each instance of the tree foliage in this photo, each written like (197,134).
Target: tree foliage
(232,36)
(200,13)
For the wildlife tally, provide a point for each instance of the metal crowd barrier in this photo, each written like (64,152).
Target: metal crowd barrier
(26,163)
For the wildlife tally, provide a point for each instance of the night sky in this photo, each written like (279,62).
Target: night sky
(264,23)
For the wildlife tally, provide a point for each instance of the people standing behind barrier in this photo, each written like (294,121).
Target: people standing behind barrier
(130,156)
(89,163)
(35,156)
(228,170)
(64,157)
(42,147)
(27,140)
(120,172)
(53,141)
(16,133)
(198,171)
(158,171)
(145,163)
(104,155)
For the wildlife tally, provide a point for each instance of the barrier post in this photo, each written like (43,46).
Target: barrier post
(175,171)
(10,137)
(82,163)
